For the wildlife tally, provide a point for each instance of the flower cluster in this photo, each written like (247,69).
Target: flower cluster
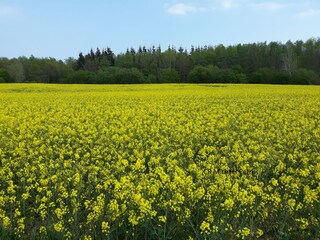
(159,162)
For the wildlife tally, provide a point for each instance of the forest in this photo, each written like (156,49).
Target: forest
(263,63)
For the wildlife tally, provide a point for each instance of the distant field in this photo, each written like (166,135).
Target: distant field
(159,161)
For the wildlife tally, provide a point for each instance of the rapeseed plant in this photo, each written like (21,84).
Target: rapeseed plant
(159,162)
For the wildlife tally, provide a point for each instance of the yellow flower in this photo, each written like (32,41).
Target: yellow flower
(205,227)
(228,204)
(58,226)
(105,227)
(259,233)
(87,237)
(6,222)
(43,230)
(303,223)
(162,219)
(243,233)
(274,182)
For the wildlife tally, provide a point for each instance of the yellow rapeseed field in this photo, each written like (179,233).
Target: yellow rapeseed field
(159,162)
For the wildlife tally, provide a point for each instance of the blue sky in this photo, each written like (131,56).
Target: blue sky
(63,28)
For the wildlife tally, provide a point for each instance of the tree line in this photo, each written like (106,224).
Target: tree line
(276,63)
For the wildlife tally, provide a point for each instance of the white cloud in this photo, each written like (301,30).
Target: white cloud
(7,11)
(227,4)
(183,9)
(309,13)
(268,6)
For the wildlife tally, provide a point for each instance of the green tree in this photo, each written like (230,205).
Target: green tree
(80,77)
(107,75)
(228,76)
(125,60)
(281,78)
(209,74)
(169,75)
(169,58)
(289,58)
(117,75)
(129,76)
(304,76)
(197,57)
(4,76)
(151,79)
(80,62)
(275,56)
(218,75)
(16,71)
(110,56)
(263,75)
(183,64)
(71,64)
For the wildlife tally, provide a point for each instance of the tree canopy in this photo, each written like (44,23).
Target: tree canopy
(275,63)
